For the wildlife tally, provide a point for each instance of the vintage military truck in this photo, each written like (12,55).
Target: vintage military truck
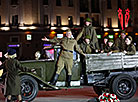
(117,73)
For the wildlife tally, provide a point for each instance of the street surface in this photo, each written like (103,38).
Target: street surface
(82,94)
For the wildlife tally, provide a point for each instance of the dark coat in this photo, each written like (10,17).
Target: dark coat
(12,81)
(113,48)
(120,43)
(89,30)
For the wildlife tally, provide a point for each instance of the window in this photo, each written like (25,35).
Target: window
(45,19)
(84,6)
(58,20)
(95,6)
(14,38)
(81,21)
(15,20)
(0,2)
(70,3)
(109,22)
(14,2)
(58,2)
(119,4)
(70,20)
(45,2)
(129,4)
(109,5)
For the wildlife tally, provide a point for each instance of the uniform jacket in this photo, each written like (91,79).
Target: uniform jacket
(120,43)
(131,49)
(113,48)
(86,48)
(67,44)
(12,82)
(89,30)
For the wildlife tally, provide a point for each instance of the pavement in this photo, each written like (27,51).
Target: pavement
(79,94)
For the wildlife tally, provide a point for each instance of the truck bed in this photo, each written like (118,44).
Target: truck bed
(115,61)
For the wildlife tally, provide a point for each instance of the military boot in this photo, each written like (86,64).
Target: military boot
(55,79)
(68,81)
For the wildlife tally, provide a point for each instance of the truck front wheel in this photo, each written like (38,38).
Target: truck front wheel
(29,88)
(124,86)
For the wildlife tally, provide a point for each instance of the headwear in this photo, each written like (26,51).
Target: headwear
(88,20)
(11,51)
(106,37)
(68,30)
(130,38)
(87,37)
(110,40)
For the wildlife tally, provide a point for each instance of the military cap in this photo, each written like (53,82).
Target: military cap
(88,20)
(11,51)
(87,37)
(130,38)
(123,31)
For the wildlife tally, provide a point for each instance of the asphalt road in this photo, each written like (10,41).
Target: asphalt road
(82,94)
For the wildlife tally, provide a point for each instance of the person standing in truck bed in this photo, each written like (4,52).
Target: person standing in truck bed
(66,56)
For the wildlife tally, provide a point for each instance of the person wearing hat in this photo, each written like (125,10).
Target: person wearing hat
(12,83)
(68,44)
(88,29)
(85,45)
(104,45)
(130,48)
(120,42)
(111,48)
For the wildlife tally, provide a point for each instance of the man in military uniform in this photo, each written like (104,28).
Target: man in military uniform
(85,45)
(111,48)
(130,48)
(89,30)
(120,42)
(66,56)
(12,66)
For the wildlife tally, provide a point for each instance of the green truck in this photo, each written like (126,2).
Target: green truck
(117,73)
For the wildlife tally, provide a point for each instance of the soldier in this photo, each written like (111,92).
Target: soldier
(89,30)
(130,48)
(120,42)
(66,56)
(111,48)
(12,83)
(85,45)
(105,44)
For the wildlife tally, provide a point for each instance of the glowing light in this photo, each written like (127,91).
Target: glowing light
(136,33)
(106,29)
(99,36)
(53,28)
(116,30)
(111,36)
(116,33)
(29,37)
(120,16)
(126,33)
(5,28)
(32,27)
(53,32)
(127,16)
(17,45)
(106,33)
(23,28)
(64,28)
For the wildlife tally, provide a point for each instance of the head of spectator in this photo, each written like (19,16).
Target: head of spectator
(128,40)
(87,39)
(105,39)
(11,53)
(123,34)
(110,42)
(69,34)
(88,21)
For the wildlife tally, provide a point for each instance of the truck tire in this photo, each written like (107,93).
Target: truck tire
(97,90)
(29,88)
(124,86)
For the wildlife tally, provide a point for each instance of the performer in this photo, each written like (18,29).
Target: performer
(88,29)
(66,56)
(12,83)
